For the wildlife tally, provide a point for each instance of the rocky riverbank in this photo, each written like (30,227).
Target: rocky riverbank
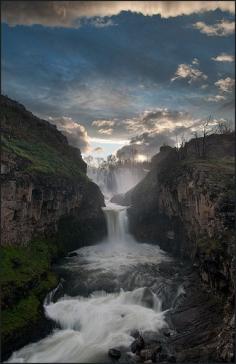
(49,207)
(194,329)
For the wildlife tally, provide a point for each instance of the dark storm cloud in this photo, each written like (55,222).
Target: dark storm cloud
(67,13)
(113,67)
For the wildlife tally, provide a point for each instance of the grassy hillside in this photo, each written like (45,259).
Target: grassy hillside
(43,148)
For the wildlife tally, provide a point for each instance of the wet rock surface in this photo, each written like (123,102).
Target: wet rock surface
(194,333)
(114,353)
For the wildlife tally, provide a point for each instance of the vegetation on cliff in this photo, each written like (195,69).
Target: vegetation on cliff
(43,148)
(26,278)
(42,158)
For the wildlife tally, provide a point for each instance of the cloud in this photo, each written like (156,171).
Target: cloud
(67,13)
(223,57)
(109,141)
(153,128)
(156,121)
(103,123)
(98,150)
(104,126)
(145,144)
(225,85)
(188,72)
(229,105)
(195,61)
(76,134)
(216,98)
(171,128)
(102,22)
(221,29)
(105,131)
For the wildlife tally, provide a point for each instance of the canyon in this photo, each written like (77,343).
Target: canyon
(164,248)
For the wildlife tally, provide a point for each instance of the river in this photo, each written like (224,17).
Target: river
(109,290)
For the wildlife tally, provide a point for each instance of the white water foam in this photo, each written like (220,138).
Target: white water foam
(90,326)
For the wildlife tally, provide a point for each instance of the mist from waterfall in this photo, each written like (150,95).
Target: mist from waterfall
(116,180)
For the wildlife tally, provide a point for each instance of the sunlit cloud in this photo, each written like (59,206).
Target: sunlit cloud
(195,61)
(188,72)
(221,29)
(76,133)
(223,57)
(225,85)
(69,13)
(109,141)
(178,129)
(216,98)
(157,121)
(98,150)
(103,123)
(105,131)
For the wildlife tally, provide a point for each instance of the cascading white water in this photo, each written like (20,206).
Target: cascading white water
(113,288)
(117,222)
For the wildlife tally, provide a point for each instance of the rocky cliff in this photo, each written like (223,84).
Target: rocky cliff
(43,179)
(49,207)
(186,205)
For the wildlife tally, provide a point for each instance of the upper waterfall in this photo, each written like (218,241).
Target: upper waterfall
(115,180)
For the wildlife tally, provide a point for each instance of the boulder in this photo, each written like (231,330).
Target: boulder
(72,254)
(137,345)
(114,353)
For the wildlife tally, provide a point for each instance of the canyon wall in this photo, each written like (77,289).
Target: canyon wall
(186,205)
(49,207)
(43,180)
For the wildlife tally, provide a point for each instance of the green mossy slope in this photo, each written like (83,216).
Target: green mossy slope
(26,278)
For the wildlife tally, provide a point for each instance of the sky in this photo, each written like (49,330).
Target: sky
(124,75)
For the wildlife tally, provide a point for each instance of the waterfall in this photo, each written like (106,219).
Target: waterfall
(112,289)
(117,221)
(116,180)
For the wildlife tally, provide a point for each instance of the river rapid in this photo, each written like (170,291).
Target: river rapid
(109,290)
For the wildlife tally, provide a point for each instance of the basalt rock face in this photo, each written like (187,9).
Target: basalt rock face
(43,179)
(186,205)
(34,206)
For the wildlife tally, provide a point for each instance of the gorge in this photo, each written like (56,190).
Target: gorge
(144,275)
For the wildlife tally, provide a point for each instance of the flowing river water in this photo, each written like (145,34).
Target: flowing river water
(110,289)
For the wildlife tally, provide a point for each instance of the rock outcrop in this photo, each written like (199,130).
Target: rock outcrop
(43,180)
(186,205)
